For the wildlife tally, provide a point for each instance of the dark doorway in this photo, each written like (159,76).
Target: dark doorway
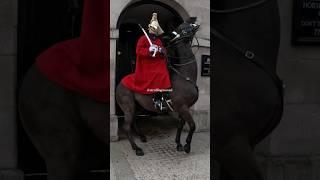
(43,23)
(129,33)
(40,25)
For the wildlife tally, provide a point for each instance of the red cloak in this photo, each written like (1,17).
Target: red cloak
(82,64)
(151,73)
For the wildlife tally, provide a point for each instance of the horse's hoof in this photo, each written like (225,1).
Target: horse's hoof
(187,148)
(139,152)
(179,148)
(143,138)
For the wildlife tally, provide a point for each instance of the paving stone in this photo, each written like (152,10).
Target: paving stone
(161,160)
(112,173)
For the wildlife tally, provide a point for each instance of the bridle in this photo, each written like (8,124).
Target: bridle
(242,8)
(174,42)
(251,57)
(172,66)
(248,54)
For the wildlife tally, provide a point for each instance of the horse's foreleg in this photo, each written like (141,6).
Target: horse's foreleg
(179,130)
(128,120)
(125,99)
(186,116)
(53,126)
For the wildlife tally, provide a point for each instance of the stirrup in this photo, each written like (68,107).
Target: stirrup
(157,104)
(169,104)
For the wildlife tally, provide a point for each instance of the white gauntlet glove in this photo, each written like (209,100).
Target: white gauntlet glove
(161,50)
(153,49)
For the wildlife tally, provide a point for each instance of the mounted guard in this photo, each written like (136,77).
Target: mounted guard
(151,75)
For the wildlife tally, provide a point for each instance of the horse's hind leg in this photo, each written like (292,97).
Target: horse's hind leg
(138,130)
(178,136)
(128,119)
(66,168)
(125,99)
(237,158)
(49,119)
(186,116)
(58,140)
(96,116)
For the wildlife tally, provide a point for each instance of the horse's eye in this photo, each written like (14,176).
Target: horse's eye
(184,31)
(187,30)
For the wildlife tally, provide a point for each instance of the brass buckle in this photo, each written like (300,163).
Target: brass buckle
(249,55)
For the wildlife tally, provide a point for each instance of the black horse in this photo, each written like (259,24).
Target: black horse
(58,122)
(247,94)
(183,75)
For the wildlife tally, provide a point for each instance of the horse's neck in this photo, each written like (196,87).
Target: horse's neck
(230,4)
(186,66)
(261,37)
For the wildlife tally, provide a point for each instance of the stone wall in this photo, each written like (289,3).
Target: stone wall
(8,54)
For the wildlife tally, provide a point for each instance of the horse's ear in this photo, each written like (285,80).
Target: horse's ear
(191,20)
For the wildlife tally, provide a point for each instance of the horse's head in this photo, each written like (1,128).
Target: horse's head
(185,31)
(181,38)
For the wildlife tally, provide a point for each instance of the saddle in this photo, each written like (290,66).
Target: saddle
(162,101)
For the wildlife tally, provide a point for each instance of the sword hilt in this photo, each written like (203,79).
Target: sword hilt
(154,53)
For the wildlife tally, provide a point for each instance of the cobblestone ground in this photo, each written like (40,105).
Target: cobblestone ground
(161,160)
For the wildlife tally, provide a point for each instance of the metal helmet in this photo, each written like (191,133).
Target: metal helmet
(154,27)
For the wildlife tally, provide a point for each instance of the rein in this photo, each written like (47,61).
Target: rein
(252,58)
(184,77)
(245,7)
(248,54)
(187,57)
(170,65)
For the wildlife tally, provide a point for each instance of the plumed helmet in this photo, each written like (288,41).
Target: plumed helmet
(154,26)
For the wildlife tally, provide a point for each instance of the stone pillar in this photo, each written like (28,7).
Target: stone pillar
(201,110)
(116,7)
(114,35)
(8,125)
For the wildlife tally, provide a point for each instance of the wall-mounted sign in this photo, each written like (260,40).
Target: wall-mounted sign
(205,65)
(306,22)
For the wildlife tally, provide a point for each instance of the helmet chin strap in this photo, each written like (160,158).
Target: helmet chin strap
(153,33)
(152,36)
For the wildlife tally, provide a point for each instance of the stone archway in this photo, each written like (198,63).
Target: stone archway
(125,35)
(168,4)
